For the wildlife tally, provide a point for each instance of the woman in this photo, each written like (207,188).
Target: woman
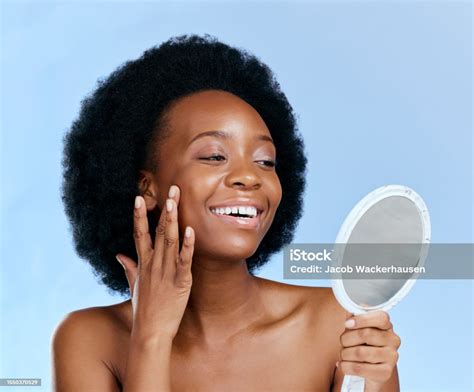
(198,136)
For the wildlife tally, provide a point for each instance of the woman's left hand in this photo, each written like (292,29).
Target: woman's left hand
(369,349)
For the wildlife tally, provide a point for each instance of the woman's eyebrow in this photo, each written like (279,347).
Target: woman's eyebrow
(225,135)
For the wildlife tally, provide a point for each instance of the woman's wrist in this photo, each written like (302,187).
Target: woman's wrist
(148,363)
(154,340)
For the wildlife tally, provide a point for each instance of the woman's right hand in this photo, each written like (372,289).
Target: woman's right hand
(160,283)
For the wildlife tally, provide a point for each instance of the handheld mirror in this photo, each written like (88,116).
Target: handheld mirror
(392,223)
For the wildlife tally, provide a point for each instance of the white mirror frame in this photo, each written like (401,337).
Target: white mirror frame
(355,383)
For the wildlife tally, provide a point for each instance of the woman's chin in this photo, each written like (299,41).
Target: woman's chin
(227,250)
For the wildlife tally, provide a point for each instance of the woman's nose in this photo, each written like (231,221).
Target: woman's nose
(244,175)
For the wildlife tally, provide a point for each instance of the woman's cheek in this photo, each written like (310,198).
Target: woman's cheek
(276,193)
(190,208)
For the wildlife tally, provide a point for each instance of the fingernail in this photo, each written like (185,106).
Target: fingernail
(120,261)
(337,364)
(172,191)
(138,202)
(187,232)
(350,323)
(169,205)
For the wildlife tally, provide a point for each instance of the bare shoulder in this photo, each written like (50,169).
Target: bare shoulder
(81,344)
(315,309)
(314,300)
(92,323)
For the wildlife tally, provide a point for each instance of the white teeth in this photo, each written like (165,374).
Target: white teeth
(243,210)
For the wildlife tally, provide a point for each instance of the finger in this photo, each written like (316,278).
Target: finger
(369,354)
(140,230)
(171,240)
(159,240)
(131,270)
(377,319)
(369,336)
(375,372)
(183,269)
(173,193)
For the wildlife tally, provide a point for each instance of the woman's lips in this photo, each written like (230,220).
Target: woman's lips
(244,223)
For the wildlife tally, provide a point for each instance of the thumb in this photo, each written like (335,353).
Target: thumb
(131,270)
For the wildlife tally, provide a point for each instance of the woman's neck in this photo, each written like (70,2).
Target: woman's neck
(224,300)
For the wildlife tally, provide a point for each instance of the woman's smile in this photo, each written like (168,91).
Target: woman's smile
(242,215)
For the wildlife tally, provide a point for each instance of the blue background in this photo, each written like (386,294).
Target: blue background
(383,93)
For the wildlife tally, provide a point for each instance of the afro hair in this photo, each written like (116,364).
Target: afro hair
(119,122)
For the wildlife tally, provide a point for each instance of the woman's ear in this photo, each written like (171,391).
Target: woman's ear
(148,189)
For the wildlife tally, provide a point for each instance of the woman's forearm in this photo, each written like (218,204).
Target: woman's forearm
(148,364)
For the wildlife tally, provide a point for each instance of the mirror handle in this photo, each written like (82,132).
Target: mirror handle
(353,384)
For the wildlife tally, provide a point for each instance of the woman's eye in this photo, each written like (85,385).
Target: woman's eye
(217,158)
(214,158)
(269,163)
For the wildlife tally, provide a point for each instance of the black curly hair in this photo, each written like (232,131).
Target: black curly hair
(119,129)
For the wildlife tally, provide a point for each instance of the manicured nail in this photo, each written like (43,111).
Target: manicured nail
(169,205)
(138,202)
(187,232)
(120,261)
(172,191)
(350,323)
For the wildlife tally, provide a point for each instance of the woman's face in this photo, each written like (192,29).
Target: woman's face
(219,153)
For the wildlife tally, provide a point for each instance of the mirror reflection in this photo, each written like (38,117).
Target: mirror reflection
(393,220)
